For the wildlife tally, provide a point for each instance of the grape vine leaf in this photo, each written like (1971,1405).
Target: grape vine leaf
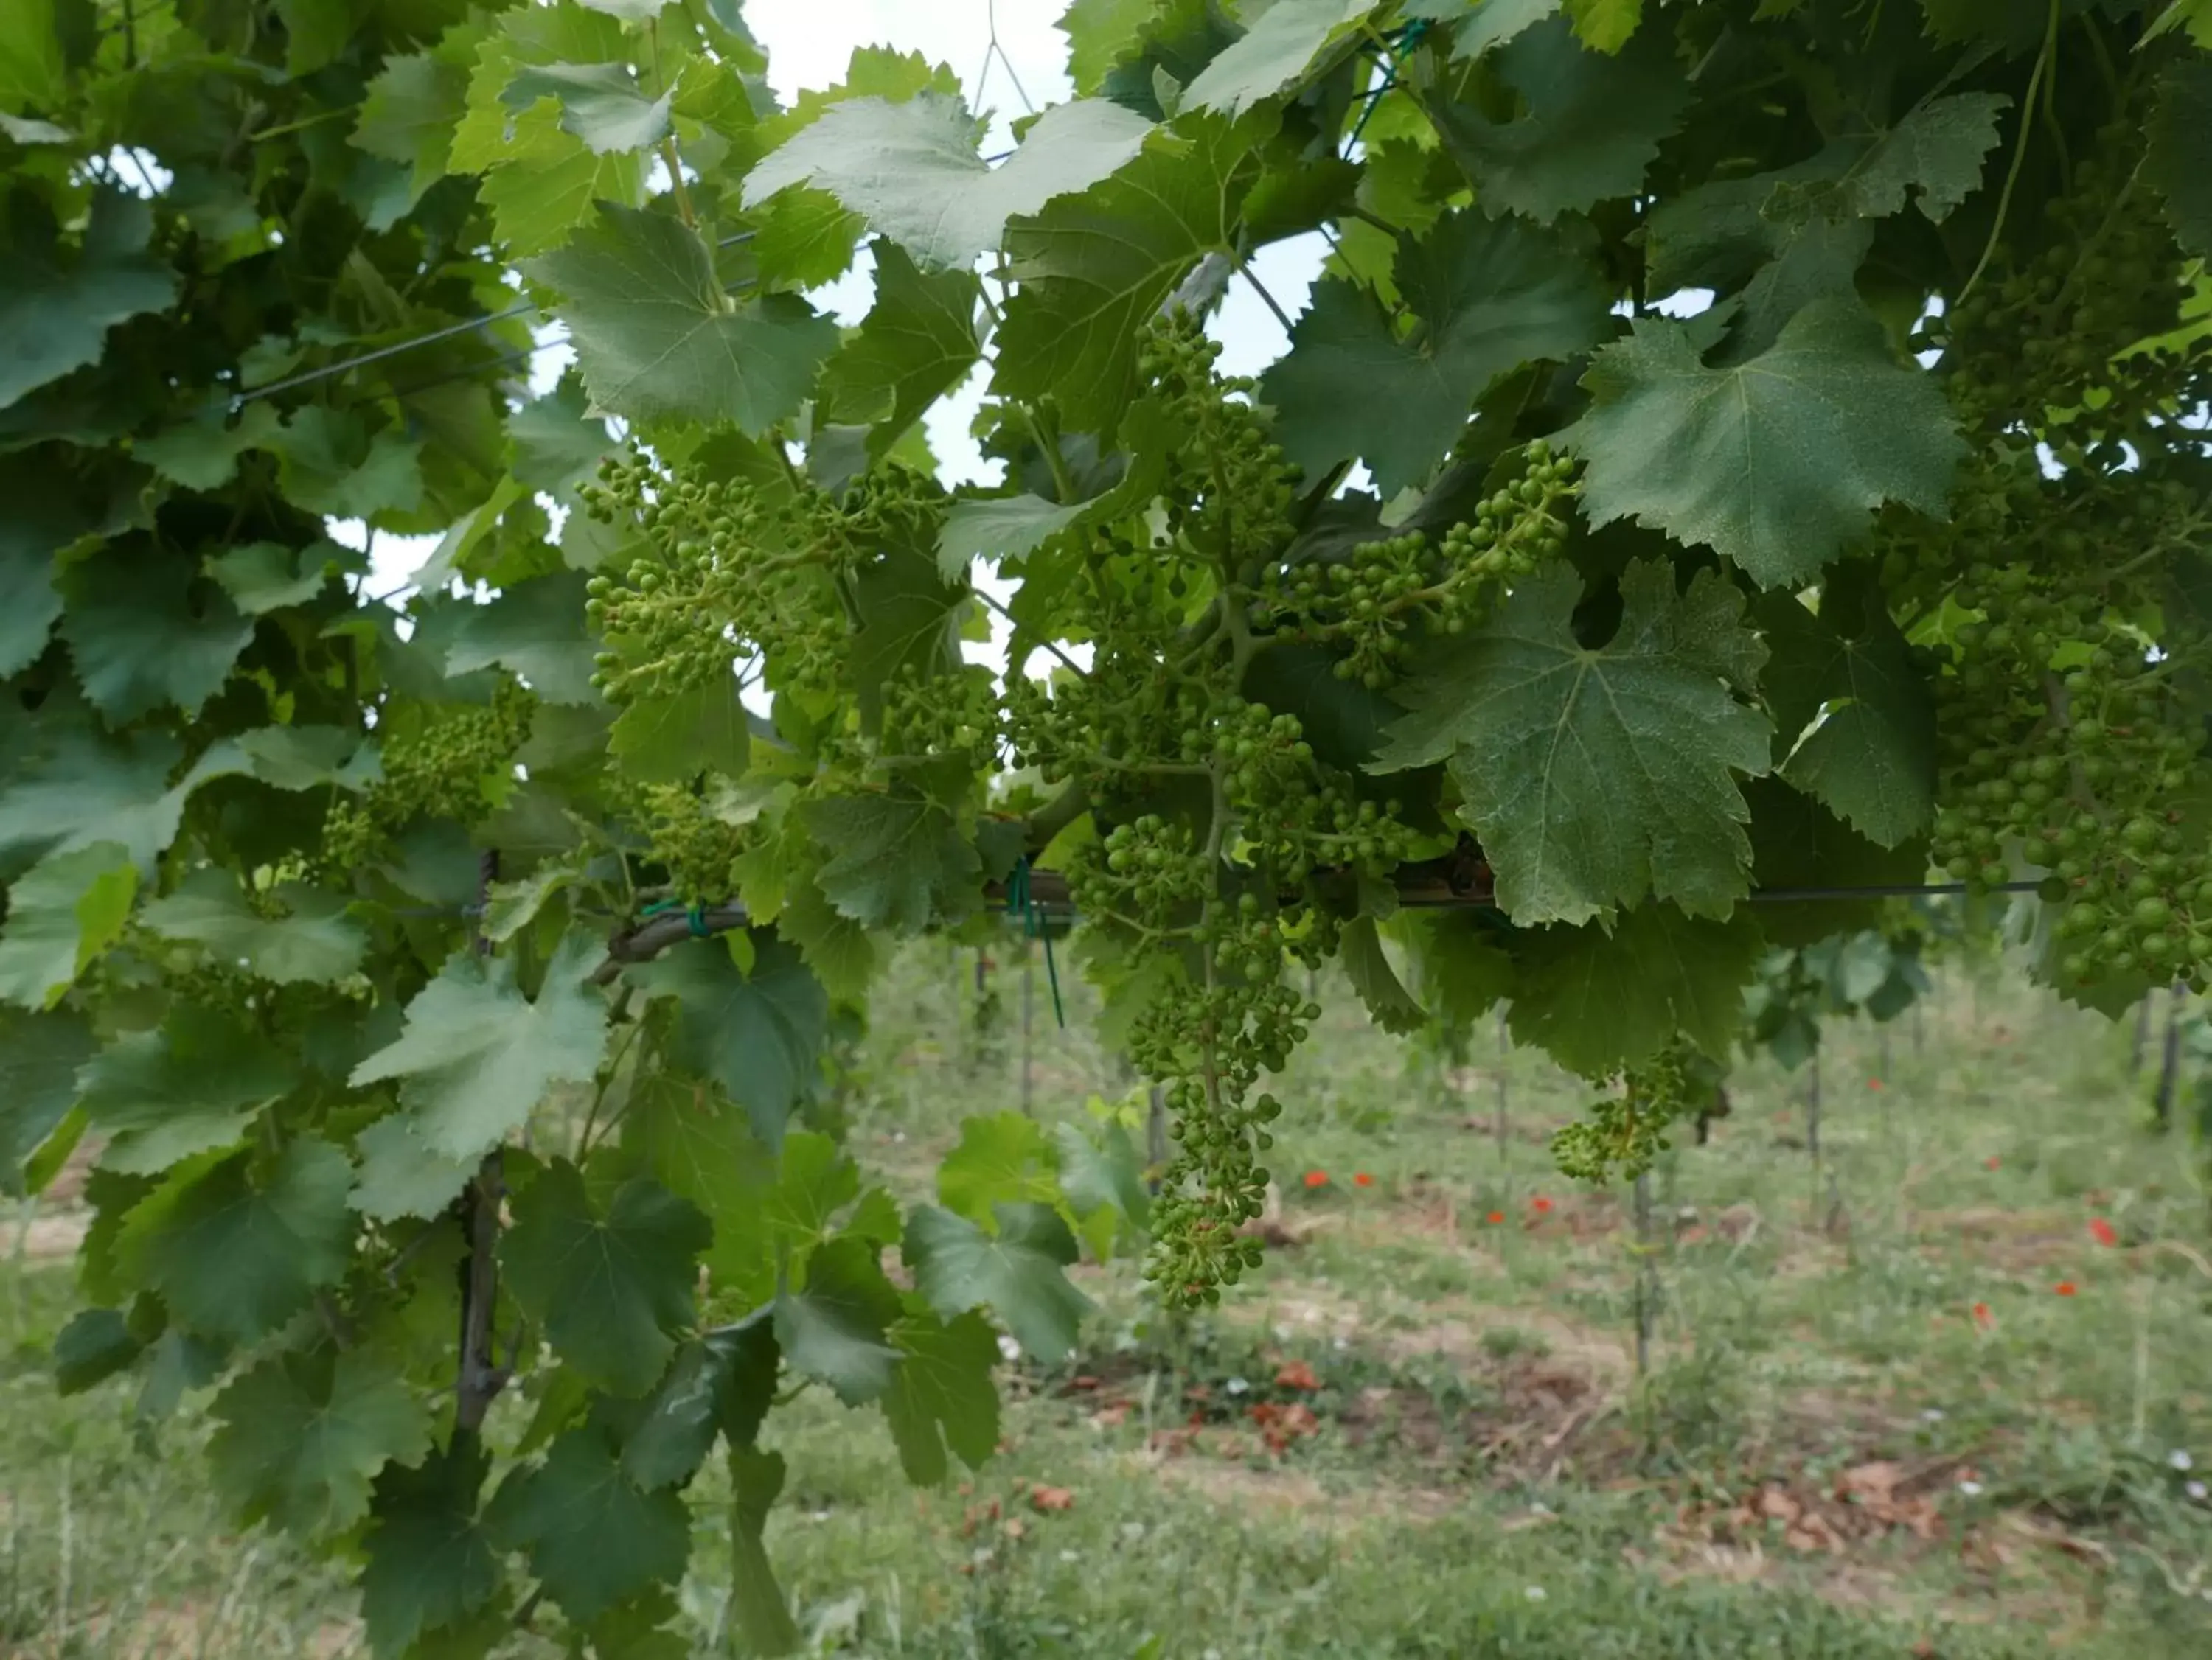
(58,305)
(329,462)
(1590,123)
(1091,269)
(1479,25)
(834,1328)
(145,630)
(40,1055)
(909,621)
(1461,967)
(303,1437)
(96,1344)
(1599,999)
(1596,776)
(1098,31)
(1797,841)
(475,1056)
(235,1258)
(545,183)
(594,1538)
(535,628)
(1002,1158)
(655,336)
(557,444)
(1936,153)
(723,1382)
(1774,461)
(1490,296)
(411,108)
(917,342)
(1277,51)
(755,1032)
(191,1083)
(1102,1177)
(601,104)
(1607,25)
(428,1563)
(1019,1272)
(1392,1007)
(62,912)
(673,738)
(263,577)
(400,1176)
(999,528)
(312,941)
(911,169)
(941,1397)
(612,1285)
(202,453)
(1855,722)
(895,862)
(2177,163)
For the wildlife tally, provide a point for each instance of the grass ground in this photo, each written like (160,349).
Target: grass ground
(1871,1424)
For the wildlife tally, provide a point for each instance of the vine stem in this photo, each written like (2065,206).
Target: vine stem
(1053,646)
(2019,152)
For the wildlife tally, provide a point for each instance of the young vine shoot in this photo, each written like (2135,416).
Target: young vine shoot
(1736,451)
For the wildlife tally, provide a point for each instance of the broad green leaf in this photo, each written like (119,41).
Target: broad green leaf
(1598,1000)
(917,342)
(427,1564)
(722,1382)
(1596,776)
(202,454)
(1797,842)
(911,170)
(34,70)
(558,442)
(2177,163)
(1589,124)
(1489,295)
(263,577)
(757,1033)
(303,1437)
(297,933)
(40,1055)
(1935,152)
(62,913)
(655,336)
(96,1344)
(1605,25)
(910,622)
(190,1084)
(29,604)
(145,630)
(840,951)
(999,528)
(1460,962)
(1275,52)
(57,305)
(757,1602)
(548,183)
(81,788)
(673,739)
(1002,1159)
(613,1285)
(592,1537)
(329,462)
(235,1258)
(895,862)
(1093,268)
(834,1329)
(1479,25)
(401,1176)
(601,104)
(942,1398)
(475,1056)
(1775,461)
(1102,1180)
(1018,1272)
(1099,33)
(409,113)
(1854,721)
(536,629)
(1389,1003)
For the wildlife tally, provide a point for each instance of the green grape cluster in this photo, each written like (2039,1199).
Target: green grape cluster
(698,850)
(1231,487)
(952,717)
(1625,1133)
(1383,596)
(2053,330)
(457,763)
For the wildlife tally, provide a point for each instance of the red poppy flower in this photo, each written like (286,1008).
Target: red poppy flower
(2103,1231)
(1363,1179)
(1983,1318)
(1874,1083)
(1316,1178)
(1495,1217)
(1540,1205)
(1990,1164)
(2065,1287)
(1296,1374)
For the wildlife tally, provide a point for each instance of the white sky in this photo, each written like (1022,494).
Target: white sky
(809,43)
